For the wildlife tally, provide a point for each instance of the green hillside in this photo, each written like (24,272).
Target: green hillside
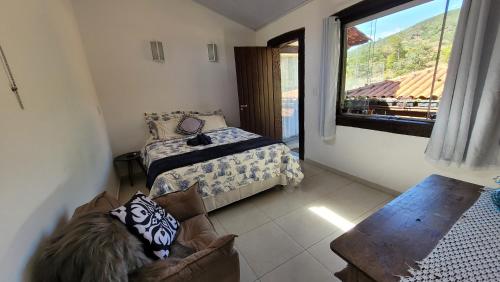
(409,50)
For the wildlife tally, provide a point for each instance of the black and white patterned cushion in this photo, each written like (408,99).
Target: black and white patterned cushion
(190,125)
(147,220)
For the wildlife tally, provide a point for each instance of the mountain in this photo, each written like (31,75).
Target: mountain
(409,50)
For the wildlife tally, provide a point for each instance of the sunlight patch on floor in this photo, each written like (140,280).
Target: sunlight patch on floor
(335,219)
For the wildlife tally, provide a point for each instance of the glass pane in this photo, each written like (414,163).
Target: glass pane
(290,97)
(391,60)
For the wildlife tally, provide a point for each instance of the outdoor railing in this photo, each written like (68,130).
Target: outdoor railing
(290,118)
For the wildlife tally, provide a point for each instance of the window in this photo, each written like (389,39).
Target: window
(395,64)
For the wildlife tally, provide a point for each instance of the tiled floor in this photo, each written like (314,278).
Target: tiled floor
(284,233)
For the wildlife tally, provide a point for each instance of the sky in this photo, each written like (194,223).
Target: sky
(401,20)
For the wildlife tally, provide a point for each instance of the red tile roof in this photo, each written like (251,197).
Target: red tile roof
(356,37)
(416,85)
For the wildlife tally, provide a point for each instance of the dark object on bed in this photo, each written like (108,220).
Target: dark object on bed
(200,139)
(95,247)
(159,166)
(386,244)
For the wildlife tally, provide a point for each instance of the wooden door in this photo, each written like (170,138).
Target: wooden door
(259,90)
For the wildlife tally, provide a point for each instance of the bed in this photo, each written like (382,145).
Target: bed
(236,165)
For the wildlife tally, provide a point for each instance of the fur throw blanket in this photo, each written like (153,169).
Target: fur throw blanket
(93,247)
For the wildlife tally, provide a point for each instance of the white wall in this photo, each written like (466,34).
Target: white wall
(55,154)
(391,160)
(116,35)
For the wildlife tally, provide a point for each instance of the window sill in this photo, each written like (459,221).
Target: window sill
(419,128)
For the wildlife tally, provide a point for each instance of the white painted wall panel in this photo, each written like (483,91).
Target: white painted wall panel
(55,155)
(116,36)
(391,160)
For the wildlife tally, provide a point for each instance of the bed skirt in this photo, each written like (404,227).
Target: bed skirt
(226,198)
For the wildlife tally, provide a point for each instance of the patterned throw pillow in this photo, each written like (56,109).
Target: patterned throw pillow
(213,120)
(190,125)
(152,118)
(148,221)
(166,130)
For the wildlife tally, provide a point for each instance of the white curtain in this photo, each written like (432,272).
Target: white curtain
(330,58)
(467,129)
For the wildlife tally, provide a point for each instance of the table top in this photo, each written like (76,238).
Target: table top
(407,229)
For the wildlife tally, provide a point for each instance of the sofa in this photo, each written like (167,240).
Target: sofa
(95,247)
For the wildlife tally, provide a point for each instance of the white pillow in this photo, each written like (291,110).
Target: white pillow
(166,129)
(213,122)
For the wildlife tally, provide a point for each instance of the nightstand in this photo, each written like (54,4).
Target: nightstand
(130,158)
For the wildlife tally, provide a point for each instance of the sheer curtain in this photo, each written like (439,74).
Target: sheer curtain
(467,129)
(330,58)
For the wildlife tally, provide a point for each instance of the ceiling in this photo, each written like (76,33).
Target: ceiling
(252,13)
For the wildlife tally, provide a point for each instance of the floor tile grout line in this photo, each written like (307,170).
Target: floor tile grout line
(251,268)
(262,224)
(281,228)
(371,211)
(303,251)
(219,224)
(318,261)
(295,209)
(329,194)
(290,237)
(288,212)
(267,216)
(304,205)
(239,251)
(319,240)
(317,172)
(271,218)
(274,220)
(305,248)
(343,187)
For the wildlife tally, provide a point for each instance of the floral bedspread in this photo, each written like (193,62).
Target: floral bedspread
(222,174)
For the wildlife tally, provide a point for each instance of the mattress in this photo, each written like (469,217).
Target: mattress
(225,179)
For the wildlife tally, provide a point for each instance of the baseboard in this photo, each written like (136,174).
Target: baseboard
(113,184)
(355,178)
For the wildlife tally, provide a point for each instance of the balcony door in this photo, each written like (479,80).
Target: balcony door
(269,106)
(292,46)
(259,90)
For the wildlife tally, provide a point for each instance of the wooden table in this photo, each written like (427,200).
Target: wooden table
(404,231)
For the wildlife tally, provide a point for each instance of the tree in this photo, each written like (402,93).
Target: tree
(407,51)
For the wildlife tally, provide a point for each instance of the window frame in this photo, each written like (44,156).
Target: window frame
(405,126)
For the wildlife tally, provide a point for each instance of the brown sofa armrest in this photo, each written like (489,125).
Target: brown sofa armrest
(218,263)
(103,202)
(183,204)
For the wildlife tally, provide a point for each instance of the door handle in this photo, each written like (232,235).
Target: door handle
(242,107)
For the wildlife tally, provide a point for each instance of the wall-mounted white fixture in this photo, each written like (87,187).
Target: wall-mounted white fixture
(212,52)
(157,51)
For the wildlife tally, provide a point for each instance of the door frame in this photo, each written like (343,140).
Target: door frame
(278,41)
